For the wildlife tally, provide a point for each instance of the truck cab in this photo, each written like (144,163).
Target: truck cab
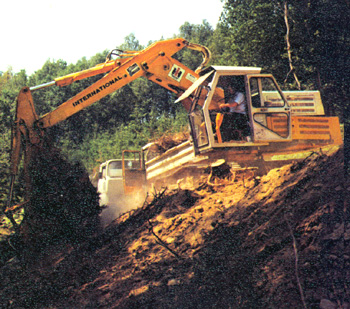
(110,182)
(121,178)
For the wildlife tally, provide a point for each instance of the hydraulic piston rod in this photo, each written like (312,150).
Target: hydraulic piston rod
(42,86)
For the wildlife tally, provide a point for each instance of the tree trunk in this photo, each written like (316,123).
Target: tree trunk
(289,52)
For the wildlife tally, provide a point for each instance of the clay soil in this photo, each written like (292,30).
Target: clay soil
(281,241)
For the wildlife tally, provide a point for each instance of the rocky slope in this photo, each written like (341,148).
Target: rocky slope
(281,241)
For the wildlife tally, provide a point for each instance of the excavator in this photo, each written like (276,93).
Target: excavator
(280,126)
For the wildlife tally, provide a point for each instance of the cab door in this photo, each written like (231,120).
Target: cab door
(270,116)
(134,175)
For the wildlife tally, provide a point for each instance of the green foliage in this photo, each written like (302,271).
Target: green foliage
(324,25)
(4,167)
(200,34)
(131,43)
(253,33)
(99,146)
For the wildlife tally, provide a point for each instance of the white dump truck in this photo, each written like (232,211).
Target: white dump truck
(121,179)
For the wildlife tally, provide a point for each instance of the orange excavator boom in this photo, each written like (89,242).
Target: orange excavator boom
(155,63)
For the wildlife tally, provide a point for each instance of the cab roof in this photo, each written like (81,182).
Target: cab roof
(221,69)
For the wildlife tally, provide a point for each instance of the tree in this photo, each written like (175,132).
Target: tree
(130,43)
(200,34)
(322,46)
(253,33)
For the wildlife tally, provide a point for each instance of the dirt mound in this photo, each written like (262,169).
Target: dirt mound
(167,141)
(61,199)
(282,242)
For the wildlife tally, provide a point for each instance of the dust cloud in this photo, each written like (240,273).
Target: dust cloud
(120,205)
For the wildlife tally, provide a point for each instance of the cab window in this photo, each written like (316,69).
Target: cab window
(115,169)
(255,94)
(264,93)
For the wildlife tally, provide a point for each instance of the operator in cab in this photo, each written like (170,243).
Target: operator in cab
(235,122)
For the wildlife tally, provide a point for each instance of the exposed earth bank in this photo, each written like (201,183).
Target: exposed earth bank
(282,241)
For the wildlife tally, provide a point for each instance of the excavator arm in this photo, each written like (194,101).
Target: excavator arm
(154,63)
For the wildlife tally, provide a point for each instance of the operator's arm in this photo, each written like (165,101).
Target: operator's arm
(228,105)
(236,100)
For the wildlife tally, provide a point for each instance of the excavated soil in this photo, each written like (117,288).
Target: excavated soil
(279,241)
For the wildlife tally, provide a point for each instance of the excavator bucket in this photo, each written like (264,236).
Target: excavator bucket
(59,195)
(25,118)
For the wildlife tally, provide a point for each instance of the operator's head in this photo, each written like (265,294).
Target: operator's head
(228,82)
(231,88)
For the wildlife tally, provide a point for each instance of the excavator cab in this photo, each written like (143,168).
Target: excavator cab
(267,116)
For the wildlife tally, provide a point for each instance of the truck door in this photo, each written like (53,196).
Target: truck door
(269,111)
(134,175)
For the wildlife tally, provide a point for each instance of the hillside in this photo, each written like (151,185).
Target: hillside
(279,241)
